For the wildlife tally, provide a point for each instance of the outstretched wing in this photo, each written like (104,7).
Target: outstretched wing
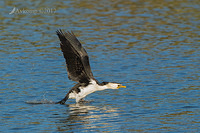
(76,57)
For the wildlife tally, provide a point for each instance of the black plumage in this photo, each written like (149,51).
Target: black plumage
(77,61)
(76,57)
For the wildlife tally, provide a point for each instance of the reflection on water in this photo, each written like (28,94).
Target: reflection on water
(152,47)
(86,117)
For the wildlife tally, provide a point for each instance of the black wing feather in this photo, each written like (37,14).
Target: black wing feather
(76,57)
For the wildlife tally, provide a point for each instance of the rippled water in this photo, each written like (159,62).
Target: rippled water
(152,47)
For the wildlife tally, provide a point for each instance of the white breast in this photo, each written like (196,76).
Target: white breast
(84,91)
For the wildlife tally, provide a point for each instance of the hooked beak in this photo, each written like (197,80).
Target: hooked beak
(121,86)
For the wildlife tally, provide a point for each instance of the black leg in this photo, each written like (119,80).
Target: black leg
(82,100)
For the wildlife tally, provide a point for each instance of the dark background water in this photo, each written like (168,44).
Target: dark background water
(152,47)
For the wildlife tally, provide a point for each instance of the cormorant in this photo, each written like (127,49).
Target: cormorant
(79,70)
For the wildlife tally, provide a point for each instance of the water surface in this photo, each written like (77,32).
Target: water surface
(152,47)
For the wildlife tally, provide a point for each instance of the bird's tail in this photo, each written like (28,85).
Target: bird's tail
(63,100)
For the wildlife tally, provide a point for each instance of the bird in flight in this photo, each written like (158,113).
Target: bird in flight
(78,68)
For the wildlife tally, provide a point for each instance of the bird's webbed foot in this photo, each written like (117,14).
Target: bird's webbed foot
(81,100)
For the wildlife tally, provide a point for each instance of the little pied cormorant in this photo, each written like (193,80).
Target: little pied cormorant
(79,70)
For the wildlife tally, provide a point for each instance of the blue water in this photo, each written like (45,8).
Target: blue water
(152,48)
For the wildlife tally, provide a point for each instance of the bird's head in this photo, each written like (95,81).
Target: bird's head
(111,85)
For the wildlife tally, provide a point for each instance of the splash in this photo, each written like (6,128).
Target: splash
(43,101)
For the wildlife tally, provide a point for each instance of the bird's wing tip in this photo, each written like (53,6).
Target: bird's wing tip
(58,31)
